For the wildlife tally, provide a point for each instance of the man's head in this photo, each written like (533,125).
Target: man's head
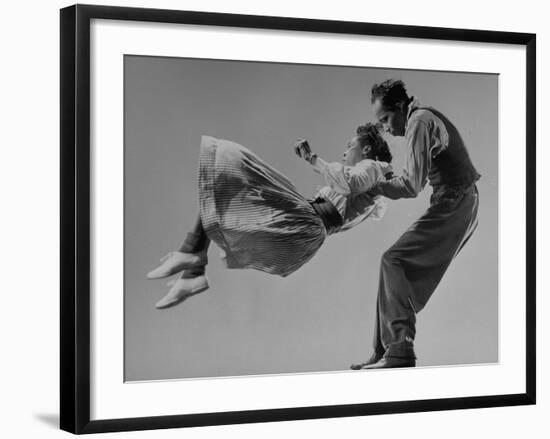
(390,103)
(367,144)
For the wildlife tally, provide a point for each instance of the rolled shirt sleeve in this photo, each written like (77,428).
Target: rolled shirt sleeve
(351,180)
(414,176)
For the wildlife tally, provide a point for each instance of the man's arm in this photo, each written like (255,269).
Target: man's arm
(415,174)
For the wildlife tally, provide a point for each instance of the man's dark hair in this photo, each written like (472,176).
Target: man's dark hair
(378,149)
(390,92)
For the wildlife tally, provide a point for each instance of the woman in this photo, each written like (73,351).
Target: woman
(259,220)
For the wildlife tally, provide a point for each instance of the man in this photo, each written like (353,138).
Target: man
(411,269)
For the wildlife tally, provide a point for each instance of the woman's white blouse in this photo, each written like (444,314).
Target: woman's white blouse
(351,180)
(347,183)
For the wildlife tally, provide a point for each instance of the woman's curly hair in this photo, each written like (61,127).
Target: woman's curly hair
(369,135)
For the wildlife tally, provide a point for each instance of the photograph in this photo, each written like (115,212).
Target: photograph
(294,218)
(271,218)
(266,220)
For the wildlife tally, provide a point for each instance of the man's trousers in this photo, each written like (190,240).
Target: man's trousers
(411,269)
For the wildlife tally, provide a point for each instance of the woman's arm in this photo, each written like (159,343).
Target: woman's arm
(351,180)
(345,180)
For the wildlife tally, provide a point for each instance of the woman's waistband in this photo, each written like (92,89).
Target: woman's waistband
(328,214)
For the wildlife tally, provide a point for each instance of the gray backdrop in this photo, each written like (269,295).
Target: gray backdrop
(321,317)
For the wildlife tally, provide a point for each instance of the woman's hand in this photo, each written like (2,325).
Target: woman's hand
(302,149)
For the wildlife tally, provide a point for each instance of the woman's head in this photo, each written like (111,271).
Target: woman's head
(367,144)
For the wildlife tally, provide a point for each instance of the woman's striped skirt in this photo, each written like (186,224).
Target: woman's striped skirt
(253,212)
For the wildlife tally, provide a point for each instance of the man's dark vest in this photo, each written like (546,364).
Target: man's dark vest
(451,166)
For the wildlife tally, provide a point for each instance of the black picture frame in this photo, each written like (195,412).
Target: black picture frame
(75,217)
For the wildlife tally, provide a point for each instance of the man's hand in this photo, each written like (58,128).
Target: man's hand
(302,149)
(376,190)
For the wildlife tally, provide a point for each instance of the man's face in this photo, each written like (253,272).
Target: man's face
(393,121)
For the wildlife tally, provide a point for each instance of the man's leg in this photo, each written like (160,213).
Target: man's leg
(412,268)
(395,324)
(378,345)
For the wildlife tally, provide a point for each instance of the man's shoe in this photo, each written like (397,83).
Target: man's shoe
(181,290)
(175,262)
(374,358)
(391,362)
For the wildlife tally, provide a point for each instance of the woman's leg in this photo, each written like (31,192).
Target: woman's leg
(191,256)
(192,280)
(196,240)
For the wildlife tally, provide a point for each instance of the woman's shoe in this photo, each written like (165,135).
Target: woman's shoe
(183,289)
(175,262)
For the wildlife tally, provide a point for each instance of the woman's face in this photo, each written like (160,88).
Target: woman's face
(354,152)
